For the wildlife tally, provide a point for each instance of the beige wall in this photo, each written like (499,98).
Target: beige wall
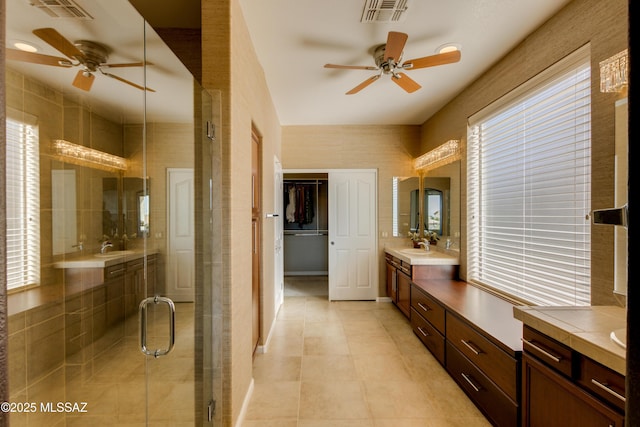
(389,149)
(227,51)
(604,26)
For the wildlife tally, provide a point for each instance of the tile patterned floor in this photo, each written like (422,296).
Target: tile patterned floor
(351,364)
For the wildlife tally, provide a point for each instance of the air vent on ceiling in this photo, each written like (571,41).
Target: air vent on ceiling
(380,11)
(61,8)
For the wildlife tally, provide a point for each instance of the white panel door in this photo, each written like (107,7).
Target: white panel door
(181,242)
(353,270)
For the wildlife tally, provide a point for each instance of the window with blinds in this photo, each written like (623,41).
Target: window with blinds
(23,201)
(529,188)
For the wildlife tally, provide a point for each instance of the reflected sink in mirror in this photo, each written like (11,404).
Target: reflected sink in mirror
(619,336)
(113,254)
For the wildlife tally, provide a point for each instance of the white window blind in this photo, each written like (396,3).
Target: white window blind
(23,201)
(529,188)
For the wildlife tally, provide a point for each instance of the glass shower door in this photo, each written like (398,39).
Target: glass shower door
(175,317)
(82,351)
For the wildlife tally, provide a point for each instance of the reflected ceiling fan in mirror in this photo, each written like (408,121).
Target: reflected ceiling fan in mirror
(388,60)
(90,56)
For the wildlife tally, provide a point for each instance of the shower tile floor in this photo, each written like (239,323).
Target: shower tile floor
(115,384)
(350,364)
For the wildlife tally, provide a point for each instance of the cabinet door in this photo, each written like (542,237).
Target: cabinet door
(550,400)
(404,292)
(391,283)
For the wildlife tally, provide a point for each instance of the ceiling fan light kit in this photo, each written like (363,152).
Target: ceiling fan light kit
(89,55)
(25,46)
(388,60)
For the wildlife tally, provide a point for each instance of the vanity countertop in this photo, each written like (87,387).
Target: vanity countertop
(587,330)
(416,256)
(101,260)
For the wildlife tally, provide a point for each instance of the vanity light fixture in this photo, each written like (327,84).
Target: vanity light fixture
(446,153)
(614,72)
(85,156)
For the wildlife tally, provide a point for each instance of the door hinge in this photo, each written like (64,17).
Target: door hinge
(211,131)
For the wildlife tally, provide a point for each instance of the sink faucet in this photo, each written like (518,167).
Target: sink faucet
(426,244)
(106,244)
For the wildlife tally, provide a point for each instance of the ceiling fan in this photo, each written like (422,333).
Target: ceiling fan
(388,60)
(90,56)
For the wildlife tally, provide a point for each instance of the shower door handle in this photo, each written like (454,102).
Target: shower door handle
(143,325)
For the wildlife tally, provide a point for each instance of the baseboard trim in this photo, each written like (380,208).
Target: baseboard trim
(307,273)
(383,299)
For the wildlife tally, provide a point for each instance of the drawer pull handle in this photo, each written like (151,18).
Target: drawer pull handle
(553,357)
(424,307)
(120,270)
(605,387)
(470,347)
(424,334)
(467,378)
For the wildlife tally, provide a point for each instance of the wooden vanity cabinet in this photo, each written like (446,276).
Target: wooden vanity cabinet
(134,283)
(601,381)
(399,283)
(488,374)
(495,363)
(551,400)
(392,277)
(478,343)
(427,321)
(404,291)
(497,406)
(561,387)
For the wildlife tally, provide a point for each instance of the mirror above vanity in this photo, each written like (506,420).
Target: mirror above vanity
(439,200)
(405,205)
(431,200)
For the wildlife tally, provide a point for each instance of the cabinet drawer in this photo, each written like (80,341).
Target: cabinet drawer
(496,405)
(430,337)
(556,355)
(602,381)
(405,267)
(424,304)
(495,363)
(114,271)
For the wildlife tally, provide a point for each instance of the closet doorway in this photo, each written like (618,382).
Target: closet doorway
(331,231)
(306,234)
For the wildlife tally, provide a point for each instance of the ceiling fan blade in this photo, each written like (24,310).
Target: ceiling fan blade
(433,60)
(395,45)
(137,86)
(405,82)
(351,67)
(128,64)
(363,84)
(57,40)
(37,58)
(84,80)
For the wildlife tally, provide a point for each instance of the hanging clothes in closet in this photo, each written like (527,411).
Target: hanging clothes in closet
(300,208)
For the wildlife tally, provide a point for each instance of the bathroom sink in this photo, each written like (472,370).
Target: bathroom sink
(113,254)
(619,336)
